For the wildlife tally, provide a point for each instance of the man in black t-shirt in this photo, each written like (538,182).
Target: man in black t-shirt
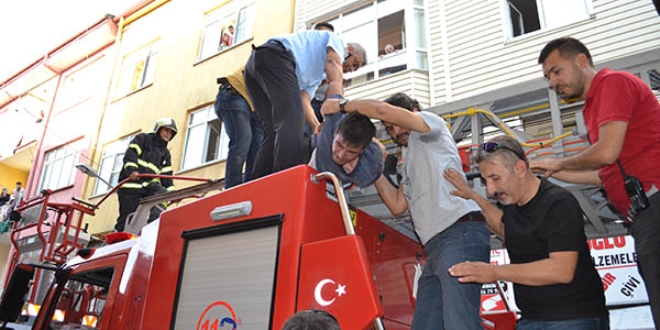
(555,281)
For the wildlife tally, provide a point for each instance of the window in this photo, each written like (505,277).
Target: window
(81,301)
(226,26)
(82,84)
(654,79)
(59,167)
(112,162)
(206,139)
(525,16)
(393,34)
(138,69)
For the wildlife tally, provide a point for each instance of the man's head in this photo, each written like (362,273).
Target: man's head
(398,133)
(389,49)
(231,29)
(505,168)
(355,59)
(165,128)
(568,66)
(324,26)
(353,135)
(18,184)
(312,320)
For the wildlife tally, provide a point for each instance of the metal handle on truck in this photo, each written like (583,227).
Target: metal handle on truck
(341,198)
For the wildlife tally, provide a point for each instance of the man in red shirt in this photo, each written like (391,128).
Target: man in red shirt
(622,116)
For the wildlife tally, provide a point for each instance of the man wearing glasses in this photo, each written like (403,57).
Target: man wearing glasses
(281,76)
(555,281)
(451,229)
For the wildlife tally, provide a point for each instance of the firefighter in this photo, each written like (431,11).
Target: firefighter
(146,154)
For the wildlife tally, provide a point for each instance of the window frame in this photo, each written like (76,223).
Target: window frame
(118,148)
(71,157)
(222,140)
(146,55)
(542,17)
(229,13)
(406,57)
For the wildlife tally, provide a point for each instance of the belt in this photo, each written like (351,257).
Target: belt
(228,88)
(472,216)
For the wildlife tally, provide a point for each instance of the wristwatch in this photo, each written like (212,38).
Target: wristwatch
(342,105)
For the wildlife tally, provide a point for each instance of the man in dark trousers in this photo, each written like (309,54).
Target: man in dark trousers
(281,76)
(147,153)
(622,116)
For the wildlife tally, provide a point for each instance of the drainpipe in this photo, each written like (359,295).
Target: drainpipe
(106,101)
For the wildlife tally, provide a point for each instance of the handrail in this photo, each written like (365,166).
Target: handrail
(472,112)
(341,198)
(187,178)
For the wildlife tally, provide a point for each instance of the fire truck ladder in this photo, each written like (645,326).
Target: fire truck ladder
(56,237)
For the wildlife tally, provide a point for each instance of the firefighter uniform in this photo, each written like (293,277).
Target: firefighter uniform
(147,153)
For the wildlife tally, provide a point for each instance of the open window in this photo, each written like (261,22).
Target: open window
(137,70)
(226,26)
(526,16)
(393,34)
(206,139)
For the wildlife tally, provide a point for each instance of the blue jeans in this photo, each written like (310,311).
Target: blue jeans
(443,302)
(601,323)
(245,133)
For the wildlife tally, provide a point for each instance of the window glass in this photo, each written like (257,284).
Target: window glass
(226,26)
(206,139)
(420,28)
(59,169)
(391,43)
(112,162)
(82,301)
(525,16)
(654,78)
(137,70)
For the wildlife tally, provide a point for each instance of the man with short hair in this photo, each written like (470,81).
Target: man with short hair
(17,195)
(622,116)
(555,281)
(312,319)
(451,228)
(147,153)
(281,76)
(347,147)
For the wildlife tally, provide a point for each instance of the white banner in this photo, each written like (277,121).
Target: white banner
(615,260)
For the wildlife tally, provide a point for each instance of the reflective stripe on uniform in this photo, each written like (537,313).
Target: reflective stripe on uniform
(132,185)
(171,188)
(131,164)
(148,165)
(166,169)
(136,147)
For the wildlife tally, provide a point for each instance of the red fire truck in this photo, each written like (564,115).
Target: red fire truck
(246,258)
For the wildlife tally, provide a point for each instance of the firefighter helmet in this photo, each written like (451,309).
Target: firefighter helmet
(167,123)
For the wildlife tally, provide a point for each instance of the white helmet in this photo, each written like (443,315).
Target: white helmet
(167,123)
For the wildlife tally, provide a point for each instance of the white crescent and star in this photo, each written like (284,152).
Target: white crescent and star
(341,290)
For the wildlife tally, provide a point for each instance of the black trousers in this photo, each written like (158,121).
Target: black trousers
(272,83)
(129,200)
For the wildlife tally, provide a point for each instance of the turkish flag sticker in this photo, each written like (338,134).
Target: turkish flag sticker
(335,276)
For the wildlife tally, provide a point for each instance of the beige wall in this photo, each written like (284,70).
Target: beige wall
(182,84)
